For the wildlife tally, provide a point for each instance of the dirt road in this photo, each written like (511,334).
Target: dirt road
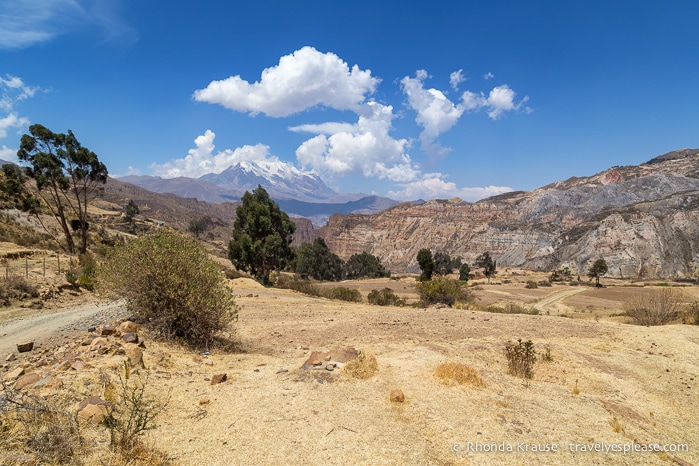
(541,306)
(41,327)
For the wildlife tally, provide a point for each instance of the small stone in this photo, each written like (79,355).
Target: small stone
(135,355)
(25,347)
(106,330)
(10,357)
(397,396)
(204,401)
(65,365)
(27,380)
(10,376)
(317,362)
(130,337)
(127,327)
(330,367)
(218,378)
(77,365)
(281,371)
(43,382)
(208,362)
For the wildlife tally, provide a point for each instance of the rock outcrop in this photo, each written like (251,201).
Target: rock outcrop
(643,220)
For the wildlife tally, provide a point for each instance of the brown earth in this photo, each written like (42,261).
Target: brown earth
(633,384)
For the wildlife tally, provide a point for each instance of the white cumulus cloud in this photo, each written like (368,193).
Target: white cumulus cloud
(201,159)
(433,186)
(456,78)
(304,79)
(437,114)
(488,76)
(7,154)
(365,148)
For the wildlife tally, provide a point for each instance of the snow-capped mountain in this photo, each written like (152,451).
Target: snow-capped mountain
(280,179)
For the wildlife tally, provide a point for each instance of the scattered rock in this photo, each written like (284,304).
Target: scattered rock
(281,371)
(12,375)
(43,382)
(10,357)
(77,365)
(130,337)
(94,409)
(127,327)
(397,396)
(218,378)
(135,355)
(208,362)
(204,401)
(106,330)
(27,380)
(25,347)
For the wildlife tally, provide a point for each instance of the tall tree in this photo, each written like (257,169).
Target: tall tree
(262,235)
(486,262)
(68,177)
(426,263)
(599,268)
(465,272)
(442,263)
(316,260)
(365,265)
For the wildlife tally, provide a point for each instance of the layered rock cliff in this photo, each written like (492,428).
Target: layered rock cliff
(643,220)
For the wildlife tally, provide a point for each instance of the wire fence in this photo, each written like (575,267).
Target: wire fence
(36,267)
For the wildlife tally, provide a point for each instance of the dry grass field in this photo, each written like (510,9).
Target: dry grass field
(609,385)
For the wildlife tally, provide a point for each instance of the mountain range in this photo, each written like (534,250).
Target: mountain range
(643,220)
(299,193)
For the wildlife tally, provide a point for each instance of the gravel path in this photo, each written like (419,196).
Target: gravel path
(42,327)
(542,306)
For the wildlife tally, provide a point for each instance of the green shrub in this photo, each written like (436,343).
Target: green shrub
(521,357)
(385,297)
(344,294)
(441,290)
(289,282)
(172,286)
(531,284)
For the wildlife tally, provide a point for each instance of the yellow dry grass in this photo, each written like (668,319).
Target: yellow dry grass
(363,367)
(452,373)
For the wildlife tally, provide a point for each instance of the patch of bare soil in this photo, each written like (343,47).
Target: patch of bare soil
(610,386)
(634,384)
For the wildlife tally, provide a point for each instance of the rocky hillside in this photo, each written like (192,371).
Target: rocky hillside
(643,220)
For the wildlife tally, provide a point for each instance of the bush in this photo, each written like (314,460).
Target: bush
(693,312)
(441,290)
(531,284)
(385,297)
(134,414)
(363,366)
(294,283)
(660,307)
(521,358)
(343,293)
(16,287)
(172,286)
(457,373)
(512,308)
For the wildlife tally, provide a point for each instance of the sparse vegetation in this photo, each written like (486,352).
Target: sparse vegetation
(343,293)
(561,275)
(134,414)
(441,290)
(363,367)
(458,373)
(172,286)
(660,307)
(521,358)
(693,312)
(385,297)
(546,355)
(511,308)
(15,288)
(531,284)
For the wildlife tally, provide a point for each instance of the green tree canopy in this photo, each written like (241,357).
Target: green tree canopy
(426,263)
(488,265)
(262,235)
(598,269)
(67,175)
(465,272)
(315,260)
(442,263)
(365,265)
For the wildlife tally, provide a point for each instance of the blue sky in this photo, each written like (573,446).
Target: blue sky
(405,99)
